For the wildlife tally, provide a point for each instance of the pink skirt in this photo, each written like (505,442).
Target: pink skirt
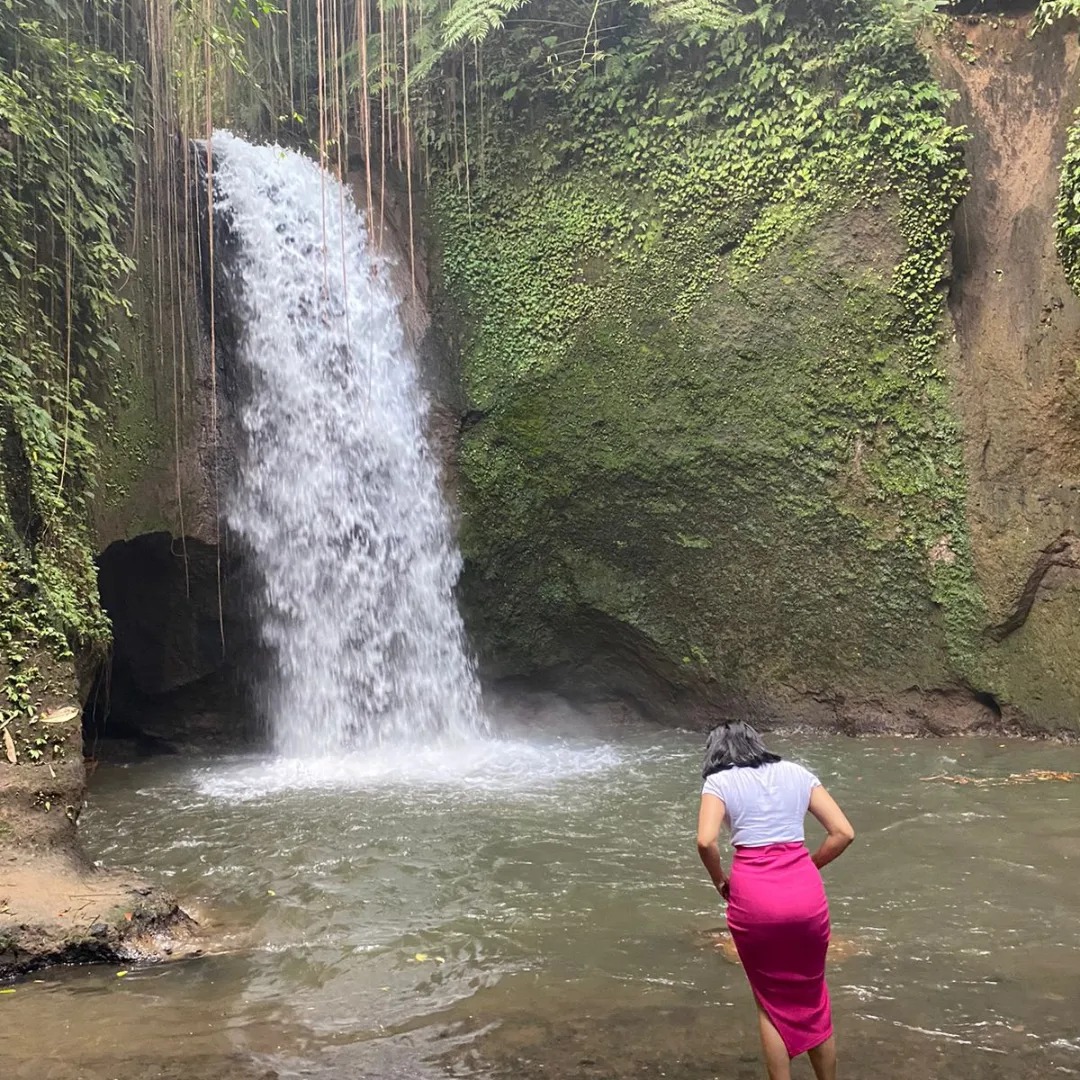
(779,920)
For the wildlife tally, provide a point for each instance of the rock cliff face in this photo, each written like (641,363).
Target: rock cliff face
(1014,366)
(153,457)
(706,468)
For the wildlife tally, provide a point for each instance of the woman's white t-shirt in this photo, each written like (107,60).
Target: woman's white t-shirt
(766,805)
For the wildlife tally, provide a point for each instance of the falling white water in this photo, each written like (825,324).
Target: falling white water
(337,495)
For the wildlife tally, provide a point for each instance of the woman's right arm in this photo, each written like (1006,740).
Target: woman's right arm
(710,818)
(835,823)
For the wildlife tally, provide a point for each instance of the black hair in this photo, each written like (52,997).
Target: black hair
(735,745)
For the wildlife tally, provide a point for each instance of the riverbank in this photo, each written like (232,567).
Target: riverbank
(56,907)
(54,913)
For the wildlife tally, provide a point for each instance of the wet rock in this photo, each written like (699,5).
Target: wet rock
(56,913)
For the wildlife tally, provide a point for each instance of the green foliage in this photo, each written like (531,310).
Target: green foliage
(1068,216)
(702,14)
(65,146)
(472,20)
(219,70)
(607,257)
(1050,12)
(292,72)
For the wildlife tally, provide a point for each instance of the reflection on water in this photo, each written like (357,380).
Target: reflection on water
(540,912)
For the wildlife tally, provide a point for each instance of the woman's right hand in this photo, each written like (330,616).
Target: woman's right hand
(724,891)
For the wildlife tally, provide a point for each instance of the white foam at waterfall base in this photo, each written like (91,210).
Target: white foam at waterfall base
(484,767)
(336,498)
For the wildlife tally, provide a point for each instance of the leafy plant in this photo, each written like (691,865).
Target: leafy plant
(1068,215)
(1050,12)
(65,149)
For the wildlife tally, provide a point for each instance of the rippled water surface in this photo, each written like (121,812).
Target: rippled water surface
(536,909)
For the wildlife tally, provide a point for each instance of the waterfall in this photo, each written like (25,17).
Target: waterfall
(336,496)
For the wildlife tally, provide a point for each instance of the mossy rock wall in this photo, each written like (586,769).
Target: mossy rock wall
(713,459)
(708,486)
(158,450)
(1015,368)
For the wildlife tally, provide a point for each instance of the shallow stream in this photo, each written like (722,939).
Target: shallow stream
(534,907)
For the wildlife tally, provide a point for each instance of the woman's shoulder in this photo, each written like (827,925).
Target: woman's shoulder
(796,771)
(714,784)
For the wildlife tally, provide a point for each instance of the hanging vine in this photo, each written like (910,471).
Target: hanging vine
(65,148)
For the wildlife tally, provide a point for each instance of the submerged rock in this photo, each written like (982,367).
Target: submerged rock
(840,948)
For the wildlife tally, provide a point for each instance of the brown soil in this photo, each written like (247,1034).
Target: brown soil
(55,906)
(1018,323)
(54,913)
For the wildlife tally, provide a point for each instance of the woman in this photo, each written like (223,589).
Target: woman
(777,911)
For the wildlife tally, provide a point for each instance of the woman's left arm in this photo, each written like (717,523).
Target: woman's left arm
(710,818)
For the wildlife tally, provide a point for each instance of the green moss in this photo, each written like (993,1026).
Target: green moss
(1068,218)
(708,358)
(64,151)
(1036,670)
(150,408)
(739,429)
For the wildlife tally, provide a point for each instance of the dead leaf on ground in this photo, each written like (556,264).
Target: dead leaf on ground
(9,746)
(60,716)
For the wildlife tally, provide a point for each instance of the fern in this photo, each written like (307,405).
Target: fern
(696,14)
(473,20)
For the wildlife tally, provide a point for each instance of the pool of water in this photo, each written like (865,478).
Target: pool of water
(535,908)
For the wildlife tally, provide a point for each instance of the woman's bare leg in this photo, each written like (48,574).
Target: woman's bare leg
(777,1061)
(823,1058)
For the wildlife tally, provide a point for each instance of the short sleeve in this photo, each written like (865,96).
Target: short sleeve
(811,780)
(713,786)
